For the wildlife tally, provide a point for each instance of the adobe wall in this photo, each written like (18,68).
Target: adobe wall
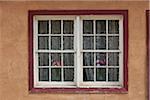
(14,49)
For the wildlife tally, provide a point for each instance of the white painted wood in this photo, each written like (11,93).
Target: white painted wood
(107,50)
(77,34)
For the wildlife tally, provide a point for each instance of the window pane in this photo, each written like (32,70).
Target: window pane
(68,42)
(88,74)
(87,26)
(100,59)
(55,27)
(100,42)
(43,27)
(43,42)
(55,42)
(113,59)
(56,59)
(88,59)
(56,74)
(113,26)
(43,59)
(68,74)
(88,42)
(68,59)
(101,27)
(113,74)
(113,42)
(68,27)
(100,74)
(43,74)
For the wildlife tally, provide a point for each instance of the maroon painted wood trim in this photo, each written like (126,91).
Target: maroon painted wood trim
(30,48)
(148,48)
(124,13)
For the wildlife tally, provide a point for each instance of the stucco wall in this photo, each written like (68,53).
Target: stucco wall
(14,50)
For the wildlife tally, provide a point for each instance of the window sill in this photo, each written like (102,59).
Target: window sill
(79,90)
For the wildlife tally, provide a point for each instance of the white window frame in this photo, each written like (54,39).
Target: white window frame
(78,51)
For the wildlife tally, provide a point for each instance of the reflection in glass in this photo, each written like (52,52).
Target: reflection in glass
(43,27)
(113,26)
(113,74)
(100,42)
(100,74)
(100,26)
(43,59)
(68,74)
(113,59)
(100,59)
(68,42)
(43,74)
(88,59)
(113,42)
(88,74)
(43,42)
(68,59)
(55,42)
(56,59)
(56,74)
(87,26)
(56,27)
(88,42)
(68,26)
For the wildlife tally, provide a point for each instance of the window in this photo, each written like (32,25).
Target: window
(78,51)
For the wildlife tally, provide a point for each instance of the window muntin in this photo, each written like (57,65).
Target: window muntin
(98,41)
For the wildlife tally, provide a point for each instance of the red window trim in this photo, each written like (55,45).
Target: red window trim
(32,13)
(148,48)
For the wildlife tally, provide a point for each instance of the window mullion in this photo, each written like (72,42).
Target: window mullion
(78,71)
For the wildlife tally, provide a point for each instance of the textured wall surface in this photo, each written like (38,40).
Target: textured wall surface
(14,49)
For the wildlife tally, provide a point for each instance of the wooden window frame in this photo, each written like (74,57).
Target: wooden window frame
(123,89)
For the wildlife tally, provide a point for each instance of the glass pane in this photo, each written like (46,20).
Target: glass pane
(88,59)
(113,59)
(43,42)
(68,74)
(43,59)
(87,26)
(113,26)
(88,42)
(101,27)
(56,27)
(55,42)
(100,59)
(88,74)
(43,74)
(68,59)
(113,74)
(100,74)
(68,42)
(43,27)
(68,26)
(56,74)
(100,42)
(56,59)
(113,42)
